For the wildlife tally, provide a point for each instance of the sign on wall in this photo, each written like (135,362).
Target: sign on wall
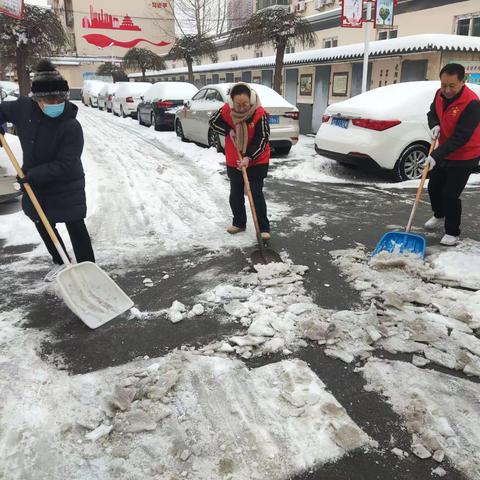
(384,13)
(12,8)
(352,13)
(111,27)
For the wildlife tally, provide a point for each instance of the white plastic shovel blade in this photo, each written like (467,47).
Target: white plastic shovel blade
(91,294)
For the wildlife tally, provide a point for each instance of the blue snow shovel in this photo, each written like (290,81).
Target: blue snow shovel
(406,242)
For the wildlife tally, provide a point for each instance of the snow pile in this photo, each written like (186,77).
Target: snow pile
(180,416)
(441,412)
(410,312)
(274,310)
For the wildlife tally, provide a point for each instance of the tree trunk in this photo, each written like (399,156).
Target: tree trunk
(22,71)
(191,79)
(279,54)
(144,78)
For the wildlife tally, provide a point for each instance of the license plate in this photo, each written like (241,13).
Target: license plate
(273,119)
(340,122)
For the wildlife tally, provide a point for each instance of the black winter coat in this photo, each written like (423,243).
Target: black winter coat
(52,149)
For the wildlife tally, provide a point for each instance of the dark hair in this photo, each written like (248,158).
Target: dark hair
(454,69)
(239,89)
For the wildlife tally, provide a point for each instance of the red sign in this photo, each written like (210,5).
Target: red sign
(106,21)
(103,41)
(352,13)
(12,8)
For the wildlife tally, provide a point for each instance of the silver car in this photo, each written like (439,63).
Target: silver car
(191,121)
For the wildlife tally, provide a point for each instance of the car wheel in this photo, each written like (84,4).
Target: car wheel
(410,164)
(155,123)
(283,150)
(214,141)
(139,117)
(122,113)
(91,104)
(179,131)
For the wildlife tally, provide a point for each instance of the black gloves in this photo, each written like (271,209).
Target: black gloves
(23,180)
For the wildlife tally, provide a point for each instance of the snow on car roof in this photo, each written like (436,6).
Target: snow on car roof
(399,99)
(133,88)
(412,43)
(171,91)
(269,97)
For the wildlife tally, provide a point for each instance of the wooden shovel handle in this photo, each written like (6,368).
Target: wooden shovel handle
(34,201)
(246,181)
(420,188)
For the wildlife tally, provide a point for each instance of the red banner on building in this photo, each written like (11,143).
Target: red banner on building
(12,8)
(352,13)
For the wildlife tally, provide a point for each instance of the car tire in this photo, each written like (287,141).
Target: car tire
(410,164)
(214,141)
(155,124)
(122,113)
(179,131)
(283,150)
(140,121)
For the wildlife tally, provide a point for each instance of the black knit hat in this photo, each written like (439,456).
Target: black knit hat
(48,82)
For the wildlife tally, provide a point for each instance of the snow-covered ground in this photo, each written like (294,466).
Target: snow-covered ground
(199,413)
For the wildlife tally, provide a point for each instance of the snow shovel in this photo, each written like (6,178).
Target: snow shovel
(85,288)
(406,242)
(263,254)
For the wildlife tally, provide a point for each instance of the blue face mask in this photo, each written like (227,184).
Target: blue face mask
(54,111)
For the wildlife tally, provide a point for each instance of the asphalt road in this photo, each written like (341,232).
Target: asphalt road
(353,213)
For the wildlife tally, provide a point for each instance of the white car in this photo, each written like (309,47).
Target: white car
(90,91)
(105,96)
(384,128)
(11,88)
(191,122)
(127,97)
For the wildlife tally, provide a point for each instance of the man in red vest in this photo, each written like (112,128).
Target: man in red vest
(454,119)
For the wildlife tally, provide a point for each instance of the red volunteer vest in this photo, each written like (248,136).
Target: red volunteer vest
(448,121)
(230,149)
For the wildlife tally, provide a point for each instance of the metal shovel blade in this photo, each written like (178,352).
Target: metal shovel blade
(401,242)
(264,256)
(91,294)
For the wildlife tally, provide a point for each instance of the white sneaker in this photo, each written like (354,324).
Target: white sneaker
(434,223)
(52,274)
(265,236)
(449,240)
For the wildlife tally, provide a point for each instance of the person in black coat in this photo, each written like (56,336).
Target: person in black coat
(52,144)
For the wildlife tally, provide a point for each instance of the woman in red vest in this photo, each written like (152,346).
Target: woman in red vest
(244,122)
(454,119)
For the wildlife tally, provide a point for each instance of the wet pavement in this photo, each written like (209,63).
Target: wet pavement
(352,213)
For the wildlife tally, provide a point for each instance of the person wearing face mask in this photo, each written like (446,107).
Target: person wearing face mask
(52,142)
(244,123)
(454,119)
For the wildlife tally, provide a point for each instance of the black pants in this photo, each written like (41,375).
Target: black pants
(445,187)
(256,176)
(82,246)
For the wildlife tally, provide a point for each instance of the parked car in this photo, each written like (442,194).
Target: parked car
(385,128)
(161,101)
(127,97)
(191,122)
(11,89)
(90,91)
(106,94)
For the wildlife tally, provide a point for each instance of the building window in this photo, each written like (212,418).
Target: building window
(468,25)
(234,57)
(386,34)
(258,54)
(290,49)
(330,42)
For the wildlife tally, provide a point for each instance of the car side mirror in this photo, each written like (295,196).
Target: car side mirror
(187,103)
(3,94)
(141,98)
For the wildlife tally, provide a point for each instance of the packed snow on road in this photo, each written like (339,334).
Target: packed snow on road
(198,412)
